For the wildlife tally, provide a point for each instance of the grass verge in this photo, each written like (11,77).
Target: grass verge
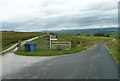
(114,49)
(6,47)
(8,51)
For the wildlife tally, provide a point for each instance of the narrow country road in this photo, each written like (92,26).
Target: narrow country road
(94,63)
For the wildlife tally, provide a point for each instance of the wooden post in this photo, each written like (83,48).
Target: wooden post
(50,41)
(70,45)
(19,45)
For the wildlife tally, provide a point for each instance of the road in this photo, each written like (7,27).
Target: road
(94,63)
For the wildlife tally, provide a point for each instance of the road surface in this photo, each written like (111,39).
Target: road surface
(94,63)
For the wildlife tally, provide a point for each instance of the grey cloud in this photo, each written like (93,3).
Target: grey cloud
(63,22)
(96,14)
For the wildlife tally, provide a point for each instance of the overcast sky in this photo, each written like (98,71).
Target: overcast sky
(37,15)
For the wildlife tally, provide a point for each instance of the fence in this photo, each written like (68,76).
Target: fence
(61,45)
(45,45)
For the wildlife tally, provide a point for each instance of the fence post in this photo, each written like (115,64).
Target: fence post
(19,45)
(50,41)
(70,45)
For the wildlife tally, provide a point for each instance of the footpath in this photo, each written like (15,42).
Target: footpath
(17,43)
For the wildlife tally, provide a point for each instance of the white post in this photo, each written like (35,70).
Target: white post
(70,45)
(50,41)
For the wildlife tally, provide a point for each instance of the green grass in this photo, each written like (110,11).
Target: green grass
(8,50)
(2,53)
(84,42)
(9,45)
(41,39)
(51,52)
(9,38)
(79,43)
(113,47)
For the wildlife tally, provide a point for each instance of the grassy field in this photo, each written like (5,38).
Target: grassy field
(114,47)
(79,43)
(9,37)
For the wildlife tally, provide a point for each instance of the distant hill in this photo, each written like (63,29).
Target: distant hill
(88,31)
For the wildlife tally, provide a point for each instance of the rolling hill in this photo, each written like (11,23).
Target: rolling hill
(88,31)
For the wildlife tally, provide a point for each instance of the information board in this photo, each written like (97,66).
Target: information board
(53,37)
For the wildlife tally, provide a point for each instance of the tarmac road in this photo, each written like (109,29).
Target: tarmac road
(94,63)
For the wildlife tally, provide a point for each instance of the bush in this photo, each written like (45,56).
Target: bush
(78,34)
(107,35)
(99,34)
(88,35)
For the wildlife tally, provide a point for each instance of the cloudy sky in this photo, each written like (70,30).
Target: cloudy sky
(38,15)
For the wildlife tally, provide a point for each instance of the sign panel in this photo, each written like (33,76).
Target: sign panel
(53,37)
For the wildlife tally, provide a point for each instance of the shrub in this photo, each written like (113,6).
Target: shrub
(107,35)
(78,34)
(99,34)
(88,35)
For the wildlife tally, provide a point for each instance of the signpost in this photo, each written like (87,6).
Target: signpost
(52,37)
